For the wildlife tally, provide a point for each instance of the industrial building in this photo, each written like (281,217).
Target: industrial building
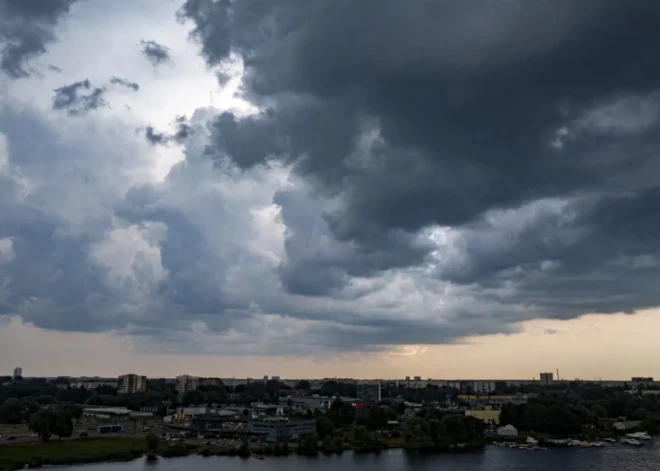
(280,429)
(270,429)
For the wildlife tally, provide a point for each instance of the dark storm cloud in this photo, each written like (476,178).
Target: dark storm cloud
(156,53)
(126,83)
(181,133)
(472,107)
(26,27)
(74,99)
(183,130)
(153,137)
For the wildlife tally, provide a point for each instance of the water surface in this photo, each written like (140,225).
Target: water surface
(613,458)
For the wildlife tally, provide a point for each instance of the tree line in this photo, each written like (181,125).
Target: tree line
(567,412)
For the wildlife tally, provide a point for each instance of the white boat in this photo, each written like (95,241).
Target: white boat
(611,440)
(532,441)
(631,441)
(639,436)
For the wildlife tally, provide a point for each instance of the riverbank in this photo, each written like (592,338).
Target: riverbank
(106,449)
(78,451)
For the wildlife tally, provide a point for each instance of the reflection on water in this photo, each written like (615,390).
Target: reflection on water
(614,458)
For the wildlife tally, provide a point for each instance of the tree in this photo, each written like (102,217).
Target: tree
(376,418)
(193,397)
(534,417)
(309,444)
(456,428)
(303,384)
(324,426)
(12,411)
(417,431)
(438,431)
(63,424)
(152,442)
(42,422)
(277,449)
(598,411)
(341,414)
(45,399)
(73,409)
(51,421)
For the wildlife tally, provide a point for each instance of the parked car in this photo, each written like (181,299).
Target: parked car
(10,438)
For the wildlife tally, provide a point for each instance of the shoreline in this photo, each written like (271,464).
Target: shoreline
(123,449)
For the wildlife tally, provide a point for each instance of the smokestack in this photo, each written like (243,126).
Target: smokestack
(557,374)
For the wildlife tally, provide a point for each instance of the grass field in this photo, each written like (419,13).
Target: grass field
(16,456)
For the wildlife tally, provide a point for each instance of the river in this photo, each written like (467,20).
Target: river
(612,458)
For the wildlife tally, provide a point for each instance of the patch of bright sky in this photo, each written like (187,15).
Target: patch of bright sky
(167,91)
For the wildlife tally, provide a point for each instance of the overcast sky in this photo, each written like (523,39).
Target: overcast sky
(312,188)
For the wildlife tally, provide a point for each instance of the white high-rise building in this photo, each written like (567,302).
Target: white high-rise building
(185,383)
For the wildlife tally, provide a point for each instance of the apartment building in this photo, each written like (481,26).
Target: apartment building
(131,383)
(185,383)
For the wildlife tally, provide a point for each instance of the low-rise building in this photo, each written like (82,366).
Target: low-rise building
(184,414)
(507,431)
(280,429)
(105,412)
(90,383)
(271,429)
(314,402)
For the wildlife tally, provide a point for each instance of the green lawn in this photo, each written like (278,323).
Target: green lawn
(78,451)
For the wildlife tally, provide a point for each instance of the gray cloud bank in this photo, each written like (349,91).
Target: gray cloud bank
(26,28)
(451,169)
(473,109)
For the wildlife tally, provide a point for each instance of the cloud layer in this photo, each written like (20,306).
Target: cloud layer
(26,28)
(450,170)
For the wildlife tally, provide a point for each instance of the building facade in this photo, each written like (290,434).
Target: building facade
(18,372)
(280,430)
(369,392)
(131,384)
(546,378)
(314,402)
(92,383)
(185,383)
